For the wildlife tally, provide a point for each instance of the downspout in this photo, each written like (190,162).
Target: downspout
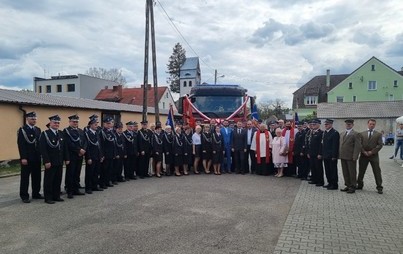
(25,112)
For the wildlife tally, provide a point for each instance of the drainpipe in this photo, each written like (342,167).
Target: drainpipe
(23,116)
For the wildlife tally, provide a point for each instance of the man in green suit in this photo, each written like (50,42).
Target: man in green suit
(371,144)
(350,148)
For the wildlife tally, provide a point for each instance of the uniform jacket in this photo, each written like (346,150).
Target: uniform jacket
(53,148)
(178,144)
(157,143)
(188,143)
(217,143)
(144,141)
(129,142)
(330,144)
(75,140)
(239,141)
(206,141)
(93,151)
(314,145)
(108,144)
(120,145)
(373,144)
(28,143)
(350,145)
(299,142)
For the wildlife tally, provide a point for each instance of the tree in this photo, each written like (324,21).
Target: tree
(274,107)
(112,74)
(175,62)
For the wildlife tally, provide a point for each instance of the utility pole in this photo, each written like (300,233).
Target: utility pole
(150,14)
(215,77)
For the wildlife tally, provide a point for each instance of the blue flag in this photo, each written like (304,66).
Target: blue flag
(296,118)
(170,119)
(255,115)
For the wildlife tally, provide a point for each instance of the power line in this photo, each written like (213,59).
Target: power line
(181,35)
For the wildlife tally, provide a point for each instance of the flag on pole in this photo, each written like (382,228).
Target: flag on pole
(255,115)
(170,119)
(296,118)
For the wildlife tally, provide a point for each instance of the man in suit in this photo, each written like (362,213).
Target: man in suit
(350,148)
(371,144)
(76,144)
(315,159)
(330,154)
(226,133)
(53,152)
(250,154)
(239,148)
(30,158)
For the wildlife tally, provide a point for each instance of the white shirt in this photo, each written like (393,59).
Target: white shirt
(262,142)
(249,136)
(196,139)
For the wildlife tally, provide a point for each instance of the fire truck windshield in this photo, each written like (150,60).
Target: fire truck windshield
(217,106)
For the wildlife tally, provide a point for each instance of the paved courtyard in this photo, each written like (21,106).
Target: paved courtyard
(210,214)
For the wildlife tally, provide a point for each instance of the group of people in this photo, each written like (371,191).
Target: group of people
(112,154)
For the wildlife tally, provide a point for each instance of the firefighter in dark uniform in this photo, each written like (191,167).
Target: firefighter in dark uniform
(54,152)
(315,159)
(131,151)
(109,153)
(157,149)
(76,144)
(30,158)
(330,154)
(144,144)
(93,157)
(120,154)
(167,139)
(308,133)
(299,156)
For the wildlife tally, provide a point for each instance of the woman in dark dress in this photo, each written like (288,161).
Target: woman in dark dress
(178,150)
(206,148)
(157,150)
(167,140)
(197,149)
(217,150)
(188,150)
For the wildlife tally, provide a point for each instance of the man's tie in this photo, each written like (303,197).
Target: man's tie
(370,134)
(239,131)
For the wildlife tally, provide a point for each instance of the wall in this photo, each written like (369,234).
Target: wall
(91,86)
(54,82)
(14,120)
(384,77)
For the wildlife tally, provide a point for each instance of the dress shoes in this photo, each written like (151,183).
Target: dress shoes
(319,184)
(380,191)
(59,199)
(350,191)
(88,191)
(38,197)
(332,187)
(109,185)
(78,193)
(26,201)
(97,189)
(312,182)
(345,189)
(70,195)
(115,183)
(326,186)
(358,187)
(133,178)
(49,202)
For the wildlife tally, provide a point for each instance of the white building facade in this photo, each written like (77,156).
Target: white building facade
(190,75)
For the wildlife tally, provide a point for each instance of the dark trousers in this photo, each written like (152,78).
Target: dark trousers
(250,154)
(106,171)
(92,175)
(129,166)
(144,161)
(117,170)
(239,161)
(316,169)
(33,169)
(52,182)
(362,167)
(302,163)
(331,172)
(73,171)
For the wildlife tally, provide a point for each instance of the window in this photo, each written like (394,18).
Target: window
(311,100)
(167,95)
(184,83)
(371,85)
(350,85)
(395,83)
(71,87)
(163,105)
(190,83)
(340,98)
(59,88)
(48,89)
(40,89)
(391,97)
(354,98)
(373,67)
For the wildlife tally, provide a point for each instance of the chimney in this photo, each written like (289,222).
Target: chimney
(106,87)
(119,91)
(327,78)
(149,86)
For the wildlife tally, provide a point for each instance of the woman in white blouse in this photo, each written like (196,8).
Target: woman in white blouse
(196,139)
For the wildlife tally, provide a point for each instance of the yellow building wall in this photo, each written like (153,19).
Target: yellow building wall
(13,118)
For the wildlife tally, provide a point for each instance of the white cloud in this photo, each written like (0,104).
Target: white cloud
(270,47)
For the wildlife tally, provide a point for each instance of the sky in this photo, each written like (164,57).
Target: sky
(269,47)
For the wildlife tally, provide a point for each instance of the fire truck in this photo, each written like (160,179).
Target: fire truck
(219,102)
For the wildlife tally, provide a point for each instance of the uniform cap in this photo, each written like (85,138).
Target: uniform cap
(54,118)
(108,119)
(349,121)
(74,118)
(30,114)
(329,121)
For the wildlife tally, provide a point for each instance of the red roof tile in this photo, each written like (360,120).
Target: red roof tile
(132,96)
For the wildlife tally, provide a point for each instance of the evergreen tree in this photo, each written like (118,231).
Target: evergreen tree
(176,60)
